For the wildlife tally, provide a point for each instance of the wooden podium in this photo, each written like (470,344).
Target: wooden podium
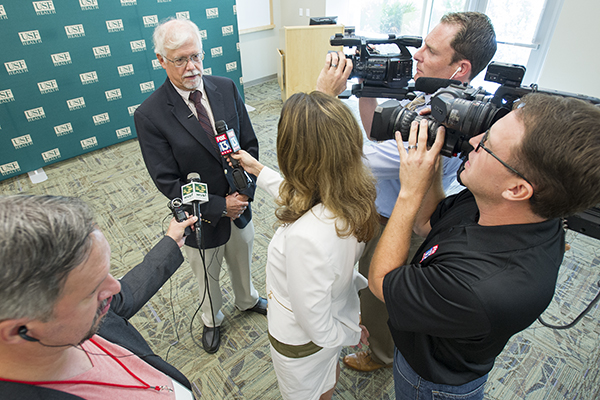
(302,56)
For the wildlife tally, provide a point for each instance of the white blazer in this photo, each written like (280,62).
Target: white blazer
(312,285)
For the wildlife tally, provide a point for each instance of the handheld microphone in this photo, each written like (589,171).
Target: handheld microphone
(431,85)
(176,207)
(228,143)
(195,193)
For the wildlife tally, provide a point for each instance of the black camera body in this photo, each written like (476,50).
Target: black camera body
(463,110)
(392,71)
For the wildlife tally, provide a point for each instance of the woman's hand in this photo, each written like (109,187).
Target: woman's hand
(250,164)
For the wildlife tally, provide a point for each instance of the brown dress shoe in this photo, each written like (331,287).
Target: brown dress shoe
(362,361)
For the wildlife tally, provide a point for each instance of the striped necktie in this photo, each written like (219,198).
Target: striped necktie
(196,97)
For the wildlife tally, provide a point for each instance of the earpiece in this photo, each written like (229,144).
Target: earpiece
(23,333)
(456,72)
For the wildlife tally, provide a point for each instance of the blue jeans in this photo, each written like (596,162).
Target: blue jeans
(410,386)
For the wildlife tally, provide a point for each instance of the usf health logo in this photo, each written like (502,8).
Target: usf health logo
(22,141)
(101,51)
(88,77)
(115,25)
(3,12)
(232,66)
(74,31)
(114,94)
(59,59)
(43,7)
(123,132)
(16,67)
(125,70)
(227,30)
(6,96)
(64,129)
(203,34)
(76,104)
(150,21)
(212,13)
(101,119)
(51,155)
(89,143)
(182,15)
(137,45)
(216,51)
(156,64)
(125,3)
(131,109)
(207,71)
(48,86)
(10,168)
(147,87)
(34,114)
(88,4)
(30,37)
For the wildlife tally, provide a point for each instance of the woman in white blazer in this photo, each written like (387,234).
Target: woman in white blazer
(326,211)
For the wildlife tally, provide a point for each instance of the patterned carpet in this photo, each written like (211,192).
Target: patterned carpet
(538,363)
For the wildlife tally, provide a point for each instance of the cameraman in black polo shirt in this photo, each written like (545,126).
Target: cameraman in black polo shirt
(490,260)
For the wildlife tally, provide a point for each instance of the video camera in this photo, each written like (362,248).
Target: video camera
(463,110)
(384,75)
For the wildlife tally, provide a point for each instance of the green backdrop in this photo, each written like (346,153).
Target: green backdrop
(74,71)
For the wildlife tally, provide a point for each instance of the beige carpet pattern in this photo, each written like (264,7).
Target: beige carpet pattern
(538,363)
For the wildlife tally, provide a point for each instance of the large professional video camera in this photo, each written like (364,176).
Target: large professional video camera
(463,110)
(384,75)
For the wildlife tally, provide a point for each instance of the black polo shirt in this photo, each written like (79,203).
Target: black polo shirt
(468,289)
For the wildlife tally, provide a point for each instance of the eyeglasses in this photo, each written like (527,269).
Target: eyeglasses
(181,61)
(511,169)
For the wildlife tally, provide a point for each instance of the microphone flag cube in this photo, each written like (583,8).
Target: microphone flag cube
(223,143)
(194,191)
(233,141)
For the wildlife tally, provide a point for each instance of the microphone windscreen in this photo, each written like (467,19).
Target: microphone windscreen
(221,126)
(193,177)
(430,85)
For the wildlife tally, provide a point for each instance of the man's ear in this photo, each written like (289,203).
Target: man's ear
(463,73)
(518,191)
(161,60)
(9,330)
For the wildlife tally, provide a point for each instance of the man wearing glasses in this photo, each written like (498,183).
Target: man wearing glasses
(490,260)
(176,131)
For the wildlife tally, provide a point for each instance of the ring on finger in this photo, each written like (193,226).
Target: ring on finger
(334,65)
(412,146)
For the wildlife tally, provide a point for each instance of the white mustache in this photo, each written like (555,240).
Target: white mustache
(191,73)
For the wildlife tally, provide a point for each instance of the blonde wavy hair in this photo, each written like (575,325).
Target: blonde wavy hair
(319,151)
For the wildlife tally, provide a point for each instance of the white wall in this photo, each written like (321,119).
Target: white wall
(259,50)
(573,60)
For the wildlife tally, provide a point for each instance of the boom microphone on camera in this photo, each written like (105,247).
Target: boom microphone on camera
(431,85)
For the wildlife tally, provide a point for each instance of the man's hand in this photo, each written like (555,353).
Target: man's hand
(334,75)
(236,205)
(419,165)
(176,229)
(250,164)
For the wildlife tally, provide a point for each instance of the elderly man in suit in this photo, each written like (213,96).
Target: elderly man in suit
(176,131)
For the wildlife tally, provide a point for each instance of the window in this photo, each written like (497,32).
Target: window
(523,27)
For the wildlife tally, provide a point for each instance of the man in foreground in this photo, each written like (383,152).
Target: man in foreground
(64,330)
(489,264)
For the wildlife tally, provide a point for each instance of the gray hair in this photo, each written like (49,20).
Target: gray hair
(42,239)
(172,33)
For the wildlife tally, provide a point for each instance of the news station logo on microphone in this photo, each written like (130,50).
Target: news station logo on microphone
(194,191)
